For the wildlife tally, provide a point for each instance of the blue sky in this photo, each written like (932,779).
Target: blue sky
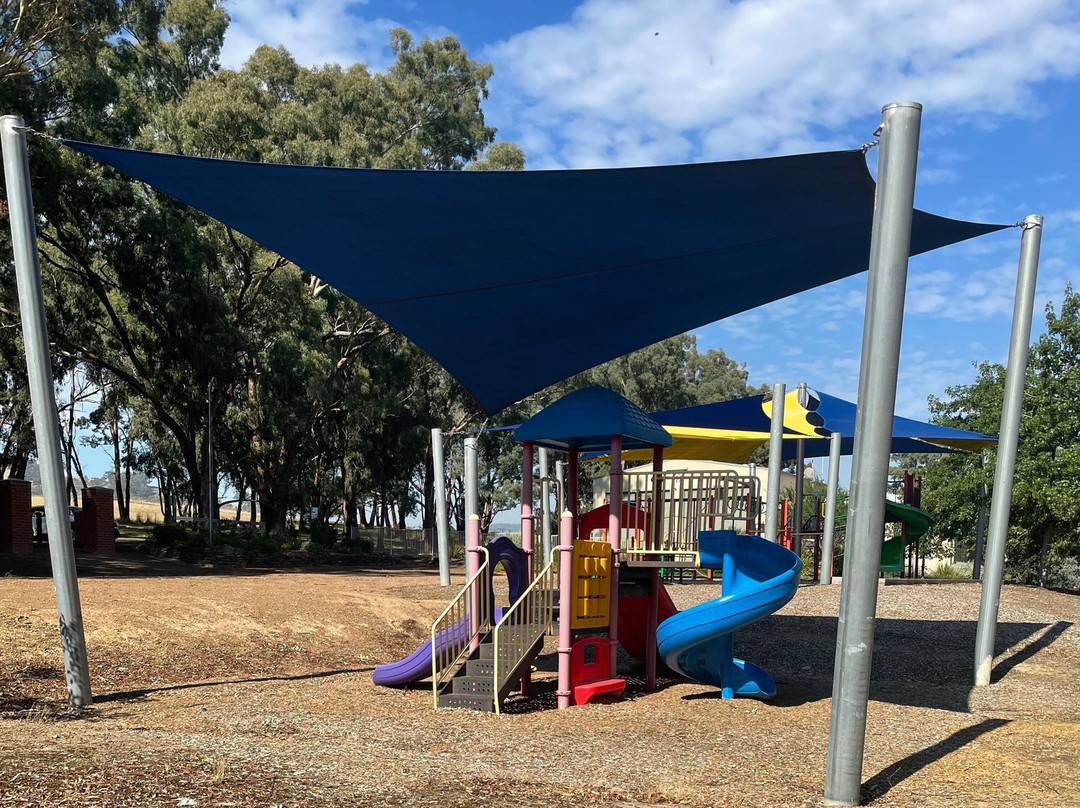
(644,82)
(603,83)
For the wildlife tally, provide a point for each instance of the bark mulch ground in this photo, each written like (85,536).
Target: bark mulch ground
(234,687)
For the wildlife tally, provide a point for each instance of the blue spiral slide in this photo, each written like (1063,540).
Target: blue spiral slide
(759,578)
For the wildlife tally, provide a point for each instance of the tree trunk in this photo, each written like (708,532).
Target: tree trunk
(428,489)
(1044,553)
(118,471)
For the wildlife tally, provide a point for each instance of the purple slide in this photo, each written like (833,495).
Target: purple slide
(417,665)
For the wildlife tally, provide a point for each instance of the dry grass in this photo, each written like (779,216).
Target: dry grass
(149,511)
(255,690)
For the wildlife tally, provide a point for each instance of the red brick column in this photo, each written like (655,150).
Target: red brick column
(15,533)
(94,525)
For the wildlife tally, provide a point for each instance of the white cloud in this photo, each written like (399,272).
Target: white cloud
(328,31)
(626,82)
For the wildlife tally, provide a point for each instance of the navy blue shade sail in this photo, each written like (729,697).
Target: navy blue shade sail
(516,280)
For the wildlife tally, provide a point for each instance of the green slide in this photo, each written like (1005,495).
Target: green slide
(917,521)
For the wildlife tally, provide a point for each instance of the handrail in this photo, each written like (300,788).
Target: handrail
(532,615)
(456,628)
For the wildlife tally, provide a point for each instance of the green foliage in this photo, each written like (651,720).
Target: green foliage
(166,536)
(316,404)
(323,535)
(501,156)
(1045,519)
(944,571)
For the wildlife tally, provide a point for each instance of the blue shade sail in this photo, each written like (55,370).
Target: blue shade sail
(833,414)
(516,280)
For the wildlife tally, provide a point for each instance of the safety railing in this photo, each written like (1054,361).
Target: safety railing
(523,624)
(672,507)
(456,631)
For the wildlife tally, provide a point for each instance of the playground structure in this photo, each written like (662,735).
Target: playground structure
(609,590)
(901,553)
(783,231)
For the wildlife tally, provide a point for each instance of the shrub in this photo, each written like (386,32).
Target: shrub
(944,570)
(323,535)
(163,536)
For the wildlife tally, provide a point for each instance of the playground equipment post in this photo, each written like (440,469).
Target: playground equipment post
(890,245)
(442,525)
(472,478)
(43,400)
(829,529)
(1008,436)
(776,463)
(545,504)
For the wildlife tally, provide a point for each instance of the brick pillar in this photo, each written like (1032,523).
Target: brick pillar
(15,533)
(94,525)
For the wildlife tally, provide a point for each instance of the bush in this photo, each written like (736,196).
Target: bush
(164,536)
(323,535)
(944,570)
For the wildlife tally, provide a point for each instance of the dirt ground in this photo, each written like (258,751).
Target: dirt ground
(253,688)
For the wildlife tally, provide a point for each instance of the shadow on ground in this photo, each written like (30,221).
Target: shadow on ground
(918,663)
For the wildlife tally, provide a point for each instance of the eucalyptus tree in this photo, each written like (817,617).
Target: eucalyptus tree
(1045,521)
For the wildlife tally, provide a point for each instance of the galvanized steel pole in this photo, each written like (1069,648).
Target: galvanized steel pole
(560,489)
(828,534)
(1008,437)
(442,523)
(43,400)
(776,463)
(797,509)
(472,477)
(545,505)
(890,246)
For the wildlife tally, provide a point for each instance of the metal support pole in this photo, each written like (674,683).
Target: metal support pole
(890,246)
(472,477)
(560,475)
(442,521)
(43,401)
(776,463)
(980,527)
(545,505)
(572,470)
(527,504)
(1008,437)
(797,510)
(828,531)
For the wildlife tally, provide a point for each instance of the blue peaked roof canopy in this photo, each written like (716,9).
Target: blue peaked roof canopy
(587,418)
(481,269)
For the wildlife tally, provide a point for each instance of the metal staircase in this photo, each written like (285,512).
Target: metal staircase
(502,656)
(473,686)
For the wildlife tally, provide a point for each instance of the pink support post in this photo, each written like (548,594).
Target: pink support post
(527,504)
(472,565)
(527,531)
(566,605)
(654,583)
(615,537)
